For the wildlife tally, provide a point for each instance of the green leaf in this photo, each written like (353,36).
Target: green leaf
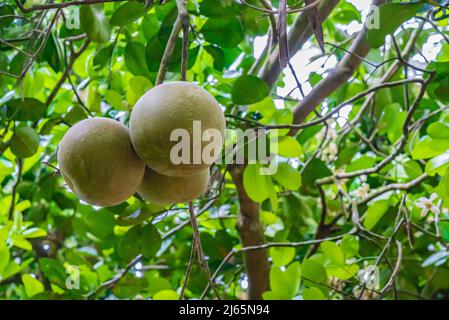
(363,162)
(138,85)
(32,285)
(24,142)
(21,242)
(32,233)
(249,89)
(429,148)
(287,147)
(26,109)
(129,286)
(103,56)
(282,256)
(76,114)
(218,55)
(350,246)
(17,64)
(444,54)
(127,13)
(166,295)
(100,223)
(391,121)
(224,32)
(129,245)
(52,54)
(54,271)
(287,176)
(391,16)
(6,11)
(151,241)
(214,8)
(266,108)
(256,185)
(157,283)
(93,102)
(3,237)
(316,169)
(438,130)
(94,23)
(286,282)
(272,295)
(135,59)
(374,213)
(313,294)
(439,164)
(272,194)
(412,169)
(333,252)
(114,99)
(150,26)
(4,258)
(314,274)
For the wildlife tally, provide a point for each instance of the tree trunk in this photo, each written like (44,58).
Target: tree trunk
(251,233)
(249,226)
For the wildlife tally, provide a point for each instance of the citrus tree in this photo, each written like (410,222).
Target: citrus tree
(356,95)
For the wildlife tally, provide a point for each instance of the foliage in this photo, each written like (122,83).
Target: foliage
(367,185)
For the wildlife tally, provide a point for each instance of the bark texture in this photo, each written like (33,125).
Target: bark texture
(249,226)
(251,233)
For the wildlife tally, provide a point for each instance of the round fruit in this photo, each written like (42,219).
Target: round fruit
(172,106)
(166,190)
(98,163)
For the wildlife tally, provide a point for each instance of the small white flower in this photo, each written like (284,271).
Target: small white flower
(426,204)
(330,152)
(362,191)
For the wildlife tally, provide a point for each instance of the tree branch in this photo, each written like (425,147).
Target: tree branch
(181,20)
(299,33)
(336,78)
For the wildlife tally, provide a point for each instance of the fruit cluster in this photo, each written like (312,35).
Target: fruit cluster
(104,163)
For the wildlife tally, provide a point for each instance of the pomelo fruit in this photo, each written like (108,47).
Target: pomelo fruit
(166,108)
(165,190)
(98,162)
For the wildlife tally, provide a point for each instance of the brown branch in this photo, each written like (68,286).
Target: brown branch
(43,7)
(265,246)
(336,78)
(251,234)
(299,33)
(181,20)
(189,269)
(344,104)
(14,188)
(115,279)
(385,77)
(66,73)
(282,34)
(249,226)
(199,249)
(393,186)
(400,145)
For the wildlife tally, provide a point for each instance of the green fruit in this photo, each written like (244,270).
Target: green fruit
(24,142)
(98,162)
(168,107)
(165,190)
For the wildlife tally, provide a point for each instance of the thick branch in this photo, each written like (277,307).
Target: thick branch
(299,34)
(252,234)
(249,226)
(336,78)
